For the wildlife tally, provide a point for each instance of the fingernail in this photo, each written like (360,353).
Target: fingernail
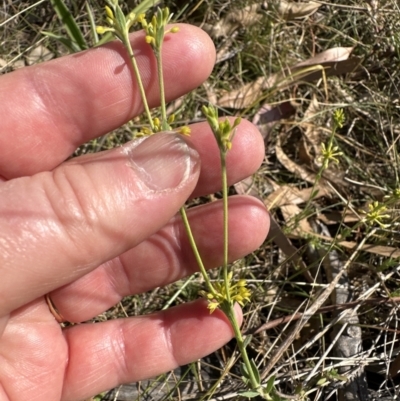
(162,161)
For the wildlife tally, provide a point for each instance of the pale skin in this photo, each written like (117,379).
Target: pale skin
(91,231)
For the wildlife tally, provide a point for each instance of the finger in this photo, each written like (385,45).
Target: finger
(165,257)
(33,355)
(57,226)
(56,106)
(243,159)
(104,355)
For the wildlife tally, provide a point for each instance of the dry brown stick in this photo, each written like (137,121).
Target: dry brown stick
(324,309)
(312,310)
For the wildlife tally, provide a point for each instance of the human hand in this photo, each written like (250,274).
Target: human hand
(96,228)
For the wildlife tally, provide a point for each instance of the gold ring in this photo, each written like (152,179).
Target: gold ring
(57,315)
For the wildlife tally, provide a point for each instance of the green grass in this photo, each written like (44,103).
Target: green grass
(367,172)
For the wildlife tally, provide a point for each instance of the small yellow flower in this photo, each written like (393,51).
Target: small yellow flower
(118,23)
(223,131)
(155,29)
(174,29)
(101,30)
(212,306)
(238,292)
(157,124)
(144,131)
(185,130)
(330,153)
(339,118)
(142,19)
(377,213)
(109,13)
(149,39)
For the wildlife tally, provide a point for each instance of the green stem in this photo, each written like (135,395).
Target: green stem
(229,310)
(230,313)
(127,44)
(225,223)
(195,250)
(164,119)
(317,180)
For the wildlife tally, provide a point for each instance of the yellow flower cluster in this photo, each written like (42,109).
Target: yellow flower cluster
(238,292)
(339,118)
(157,127)
(329,153)
(155,29)
(117,22)
(376,214)
(223,131)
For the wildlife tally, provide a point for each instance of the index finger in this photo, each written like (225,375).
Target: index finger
(48,110)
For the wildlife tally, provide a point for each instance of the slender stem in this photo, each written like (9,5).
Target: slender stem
(177,293)
(225,222)
(229,309)
(127,44)
(230,313)
(195,250)
(225,205)
(164,119)
(317,179)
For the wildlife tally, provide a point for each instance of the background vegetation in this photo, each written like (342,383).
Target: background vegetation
(320,341)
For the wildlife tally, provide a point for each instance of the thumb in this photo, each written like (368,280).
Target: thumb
(57,226)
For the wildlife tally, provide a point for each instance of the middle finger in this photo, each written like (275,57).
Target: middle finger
(165,257)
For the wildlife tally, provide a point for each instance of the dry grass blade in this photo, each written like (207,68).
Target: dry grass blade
(324,309)
(310,312)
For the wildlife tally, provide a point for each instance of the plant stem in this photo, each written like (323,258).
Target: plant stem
(195,250)
(229,309)
(225,222)
(316,182)
(164,119)
(128,46)
(230,313)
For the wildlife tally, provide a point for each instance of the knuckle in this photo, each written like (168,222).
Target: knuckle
(74,203)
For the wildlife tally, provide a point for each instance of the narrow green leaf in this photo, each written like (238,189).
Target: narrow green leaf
(256,373)
(247,340)
(67,42)
(92,23)
(120,17)
(107,37)
(243,370)
(70,24)
(144,6)
(270,384)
